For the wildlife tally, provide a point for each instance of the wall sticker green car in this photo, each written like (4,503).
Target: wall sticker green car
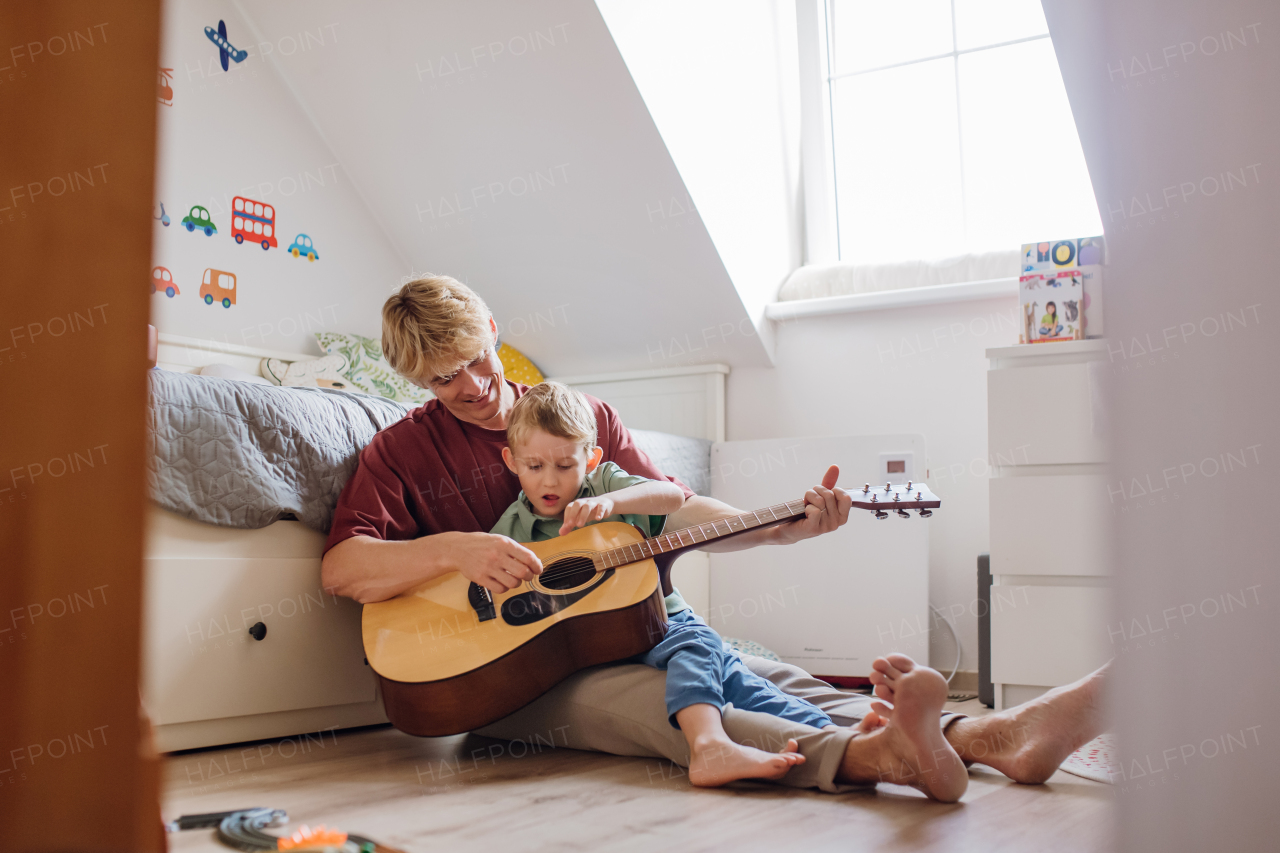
(199,218)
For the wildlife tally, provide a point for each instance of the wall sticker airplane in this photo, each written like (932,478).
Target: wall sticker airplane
(225,48)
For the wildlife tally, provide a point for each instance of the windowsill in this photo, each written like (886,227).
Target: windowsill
(936,294)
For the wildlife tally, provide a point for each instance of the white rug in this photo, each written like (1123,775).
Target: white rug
(1096,760)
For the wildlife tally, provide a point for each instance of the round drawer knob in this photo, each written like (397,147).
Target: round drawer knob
(258,630)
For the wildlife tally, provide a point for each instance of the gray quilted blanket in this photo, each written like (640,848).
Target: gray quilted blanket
(242,455)
(238,454)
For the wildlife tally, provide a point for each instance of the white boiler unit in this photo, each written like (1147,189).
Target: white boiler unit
(832,604)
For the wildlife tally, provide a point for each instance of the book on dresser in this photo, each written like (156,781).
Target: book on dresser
(1060,290)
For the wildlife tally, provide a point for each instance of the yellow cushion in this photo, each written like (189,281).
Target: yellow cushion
(517,366)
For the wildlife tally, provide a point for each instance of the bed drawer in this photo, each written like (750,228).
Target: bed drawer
(201,662)
(1048,525)
(1048,635)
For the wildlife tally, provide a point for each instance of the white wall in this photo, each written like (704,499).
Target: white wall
(1178,105)
(720,78)
(240,132)
(907,370)
(504,143)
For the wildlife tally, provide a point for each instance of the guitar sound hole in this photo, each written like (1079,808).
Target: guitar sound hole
(568,573)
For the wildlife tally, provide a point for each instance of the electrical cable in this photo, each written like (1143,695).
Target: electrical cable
(955,638)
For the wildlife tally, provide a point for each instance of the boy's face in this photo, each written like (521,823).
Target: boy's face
(551,469)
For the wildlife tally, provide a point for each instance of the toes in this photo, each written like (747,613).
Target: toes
(870,722)
(902,663)
(793,745)
(886,669)
(884,691)
(882,710)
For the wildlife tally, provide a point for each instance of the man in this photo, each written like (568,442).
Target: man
(429,486)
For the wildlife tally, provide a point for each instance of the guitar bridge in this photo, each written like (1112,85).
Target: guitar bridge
(481,601)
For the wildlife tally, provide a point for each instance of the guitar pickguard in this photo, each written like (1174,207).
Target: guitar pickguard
(534,606)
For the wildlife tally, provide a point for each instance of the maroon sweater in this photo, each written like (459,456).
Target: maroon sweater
(432,473)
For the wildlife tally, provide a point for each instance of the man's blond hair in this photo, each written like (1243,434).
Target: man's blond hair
(553,408)
(433,326)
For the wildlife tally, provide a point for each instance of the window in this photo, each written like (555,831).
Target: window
(226,282)
(950,130)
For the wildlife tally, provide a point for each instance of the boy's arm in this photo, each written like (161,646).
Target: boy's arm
(654,497)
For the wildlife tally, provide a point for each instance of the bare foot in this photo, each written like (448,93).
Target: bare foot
(714,762)
(1028,743)
(904,744)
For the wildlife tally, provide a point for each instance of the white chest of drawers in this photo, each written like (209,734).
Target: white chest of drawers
(1050,586)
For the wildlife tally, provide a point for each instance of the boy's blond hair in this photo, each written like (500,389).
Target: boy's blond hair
(553,408)
(432,326)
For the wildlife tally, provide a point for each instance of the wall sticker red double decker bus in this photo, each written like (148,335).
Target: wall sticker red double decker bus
(253,221)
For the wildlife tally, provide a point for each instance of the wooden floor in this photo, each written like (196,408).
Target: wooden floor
(470,793)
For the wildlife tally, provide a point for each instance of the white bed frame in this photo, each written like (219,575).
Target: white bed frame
(208,682)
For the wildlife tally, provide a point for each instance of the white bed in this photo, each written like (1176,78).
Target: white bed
(208,681)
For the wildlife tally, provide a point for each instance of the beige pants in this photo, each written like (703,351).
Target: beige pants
(621,709)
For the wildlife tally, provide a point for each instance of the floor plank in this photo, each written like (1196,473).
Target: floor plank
(471,793)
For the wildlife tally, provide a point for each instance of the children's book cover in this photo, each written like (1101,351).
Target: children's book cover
(1051,304)
(1082,259)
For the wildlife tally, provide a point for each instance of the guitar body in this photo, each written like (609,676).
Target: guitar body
(450,663)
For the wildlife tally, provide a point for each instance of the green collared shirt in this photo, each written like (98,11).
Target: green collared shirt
(522,524)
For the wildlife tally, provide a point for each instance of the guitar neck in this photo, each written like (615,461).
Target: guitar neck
(700,534)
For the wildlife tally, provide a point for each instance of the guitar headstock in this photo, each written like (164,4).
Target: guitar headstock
(896,498)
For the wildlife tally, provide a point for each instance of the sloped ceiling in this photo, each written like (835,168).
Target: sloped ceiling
(505,144)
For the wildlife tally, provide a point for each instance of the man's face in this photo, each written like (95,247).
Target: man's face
(474,393)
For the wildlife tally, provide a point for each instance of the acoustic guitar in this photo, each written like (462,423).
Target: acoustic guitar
(452,656)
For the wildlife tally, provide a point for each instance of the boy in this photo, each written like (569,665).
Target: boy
(551,448)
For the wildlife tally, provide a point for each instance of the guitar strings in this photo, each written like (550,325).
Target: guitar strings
(787,507)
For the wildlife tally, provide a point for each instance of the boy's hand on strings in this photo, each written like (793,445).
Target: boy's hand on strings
(583,511)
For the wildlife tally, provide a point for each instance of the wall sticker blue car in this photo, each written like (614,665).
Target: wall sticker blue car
(302,246)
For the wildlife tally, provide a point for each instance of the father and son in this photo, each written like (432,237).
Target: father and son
(461,482)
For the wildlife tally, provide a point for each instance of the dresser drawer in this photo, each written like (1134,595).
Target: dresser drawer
(1048,635)
(1042,415)
(201,662)
(1049,525)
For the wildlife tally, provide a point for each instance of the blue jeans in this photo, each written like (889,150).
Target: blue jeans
(702,669)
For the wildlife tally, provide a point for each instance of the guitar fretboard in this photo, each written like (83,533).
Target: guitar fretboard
(698,534)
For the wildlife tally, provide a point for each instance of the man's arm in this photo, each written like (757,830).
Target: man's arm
(826,508)
(369,569)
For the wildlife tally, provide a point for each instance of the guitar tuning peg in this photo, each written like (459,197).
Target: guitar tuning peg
(902,513)
(895,497)
(908,485)
(918,496)
(866,487)
(925,513)
(874,498)
(887,487)
(881,514)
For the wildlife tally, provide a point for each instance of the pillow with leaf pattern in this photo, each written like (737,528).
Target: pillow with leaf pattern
(368,371)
